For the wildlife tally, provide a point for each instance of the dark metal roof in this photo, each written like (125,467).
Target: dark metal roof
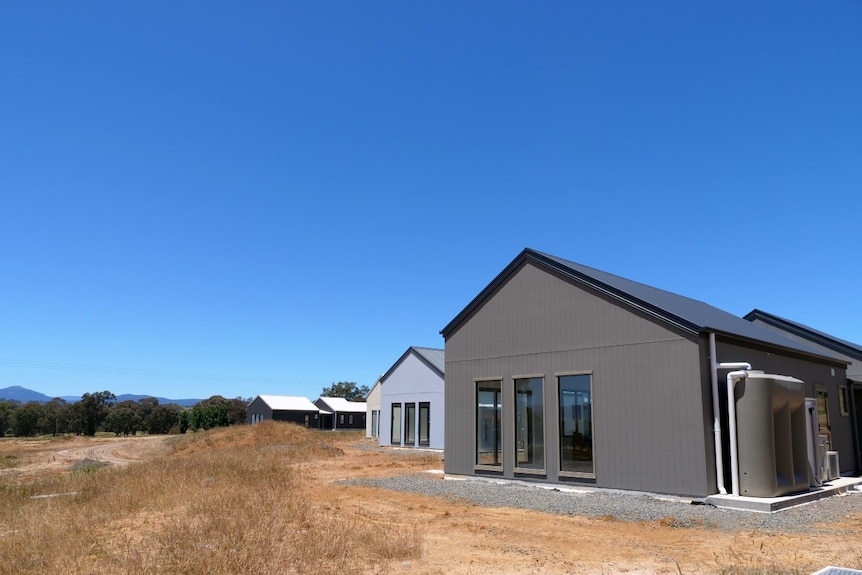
(689,315)
(435,357)
(432,357)
(837,345)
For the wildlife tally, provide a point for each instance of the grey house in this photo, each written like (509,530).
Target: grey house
(338,413)
(283,408)
(563,373)
(832,408)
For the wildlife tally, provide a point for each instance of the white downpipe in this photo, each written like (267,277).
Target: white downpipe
(732,378)
(716,418)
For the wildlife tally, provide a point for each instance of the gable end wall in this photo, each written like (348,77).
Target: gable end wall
(648,382)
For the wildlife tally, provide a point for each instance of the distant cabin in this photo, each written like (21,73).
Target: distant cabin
(338,413)
(284,408)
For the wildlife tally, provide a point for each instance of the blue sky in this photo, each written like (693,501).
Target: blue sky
(206,198)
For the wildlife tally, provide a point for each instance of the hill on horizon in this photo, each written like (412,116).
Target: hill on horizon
(22,394)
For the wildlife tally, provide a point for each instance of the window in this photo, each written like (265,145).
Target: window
(529,424)
(395,435)
(350,419)
(843,400)
(375,423)
(409,424)
(576,424)
(822,409)
(307,420)
(488,412)
(341,419)
(424,423)
(256,417)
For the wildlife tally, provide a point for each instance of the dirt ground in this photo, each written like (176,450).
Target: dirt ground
(466,539)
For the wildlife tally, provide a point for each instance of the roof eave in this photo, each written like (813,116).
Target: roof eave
(787,350)
(801,331)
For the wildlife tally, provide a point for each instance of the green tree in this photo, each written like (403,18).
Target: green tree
(25,419)
(53,416)
(123,418)
(185,421)
(163,418)
(236,411)
(346,389)
(7,408)
(75,418)
(94,409)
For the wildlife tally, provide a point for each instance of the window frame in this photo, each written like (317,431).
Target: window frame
(533,436)
(497,419)
(410,423)
(426,407)
(560,426)
(843,400)
(393,420)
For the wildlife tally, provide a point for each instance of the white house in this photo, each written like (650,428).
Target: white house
(411,400)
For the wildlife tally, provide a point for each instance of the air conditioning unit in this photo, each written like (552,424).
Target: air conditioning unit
(833,471)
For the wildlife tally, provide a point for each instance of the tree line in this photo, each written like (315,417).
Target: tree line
(100,411)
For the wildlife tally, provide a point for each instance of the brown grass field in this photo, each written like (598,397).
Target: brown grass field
(261,499)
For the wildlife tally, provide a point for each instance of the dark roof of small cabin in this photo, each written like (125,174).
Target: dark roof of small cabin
(433,357)
(837,345)
(690,315)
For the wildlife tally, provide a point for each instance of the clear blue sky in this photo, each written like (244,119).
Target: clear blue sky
(206,198)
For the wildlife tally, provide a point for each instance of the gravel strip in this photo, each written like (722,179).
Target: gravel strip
(815,517)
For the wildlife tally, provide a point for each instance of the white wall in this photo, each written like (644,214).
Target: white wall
(413,382)
(372,403)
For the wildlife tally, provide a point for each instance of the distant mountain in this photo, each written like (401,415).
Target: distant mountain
(22,394)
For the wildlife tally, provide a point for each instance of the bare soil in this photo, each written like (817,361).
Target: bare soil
(466,539)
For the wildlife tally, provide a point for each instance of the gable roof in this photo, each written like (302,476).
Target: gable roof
(432,357)
(288,403)
(690,315)
(837,345)
(340,404)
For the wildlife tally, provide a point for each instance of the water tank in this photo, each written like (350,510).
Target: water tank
(771,435)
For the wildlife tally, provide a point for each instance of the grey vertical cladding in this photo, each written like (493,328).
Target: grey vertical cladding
(258,405)
(811,374)
(648,381)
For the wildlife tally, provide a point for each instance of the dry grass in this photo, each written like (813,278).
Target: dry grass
(757,562)
(758,559)
(223,501)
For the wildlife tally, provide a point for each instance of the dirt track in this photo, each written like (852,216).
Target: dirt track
(39,456)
